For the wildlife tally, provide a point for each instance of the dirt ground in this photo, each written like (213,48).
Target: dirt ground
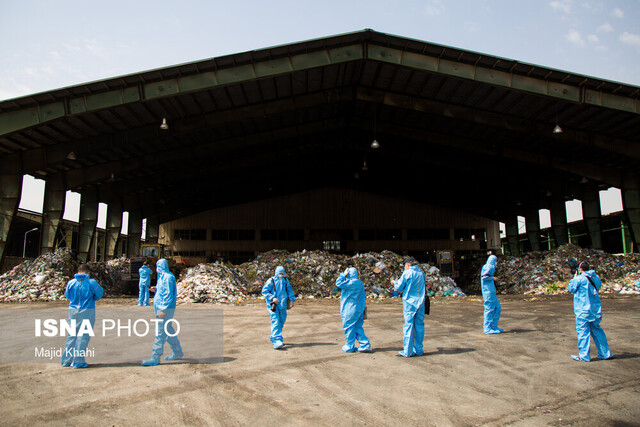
(522,377)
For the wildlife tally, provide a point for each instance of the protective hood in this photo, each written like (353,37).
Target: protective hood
(162,266)
(493,260)
(352,273)
(279,270)
(81,276)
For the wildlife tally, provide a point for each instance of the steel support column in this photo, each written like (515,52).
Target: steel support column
(532,222)
(114,227)
(153,229)
(135,234)
(53,209)
(88,221)
(10,189)
(559,221)
(592,216)
(631,206)
(512,236)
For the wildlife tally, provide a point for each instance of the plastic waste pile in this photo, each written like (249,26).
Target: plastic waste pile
(313,273)
(211,283)
(45,278)
(549,272)
(42,279)
(309,272)
(114,270)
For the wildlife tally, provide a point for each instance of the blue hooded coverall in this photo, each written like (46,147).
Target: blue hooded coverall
(145,281)
(588,311)
(411,284)
(352,305)
(492,306)
(280,288)
(164,301)
(82,292)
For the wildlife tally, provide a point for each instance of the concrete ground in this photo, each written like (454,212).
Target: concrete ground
(522,377)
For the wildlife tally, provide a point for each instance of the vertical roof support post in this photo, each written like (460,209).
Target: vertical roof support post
(135,234)
(559,221)
(592,216)
(512,236)
(532,221)
(10,189)
(114,227)
(631,206)
(88,221)
(53,209)
(153,229)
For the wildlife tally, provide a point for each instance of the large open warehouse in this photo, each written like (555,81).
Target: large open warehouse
(275,148)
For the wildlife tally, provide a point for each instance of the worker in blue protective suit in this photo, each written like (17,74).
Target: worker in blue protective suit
(279,296)
(145,281)
(411,285)
(352,306)
(492,307)
(82,292)
(588,310)
(164,307)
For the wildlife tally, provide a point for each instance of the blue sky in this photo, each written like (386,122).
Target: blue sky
(46,45)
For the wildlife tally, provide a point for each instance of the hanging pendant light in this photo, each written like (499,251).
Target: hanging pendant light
(164,125)
(557,129)
(375,144)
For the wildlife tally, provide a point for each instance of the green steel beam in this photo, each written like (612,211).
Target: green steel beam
(12,121)
(619,146)
(537,86)
(41,158)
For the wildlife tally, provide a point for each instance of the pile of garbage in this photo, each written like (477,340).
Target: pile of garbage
(113,270)
(211,283)
(42,279)
(45,278)
(549,272)
(313,273)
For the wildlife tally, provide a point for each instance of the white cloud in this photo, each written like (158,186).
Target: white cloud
(574,37)
(72,47)
(605,28)
(617,13)
(435,7)
(92,46)
(630,38)
(592,38)
(13,89)
(470,27)
(562,5)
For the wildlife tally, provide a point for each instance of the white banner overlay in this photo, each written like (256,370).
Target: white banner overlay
(118,336)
